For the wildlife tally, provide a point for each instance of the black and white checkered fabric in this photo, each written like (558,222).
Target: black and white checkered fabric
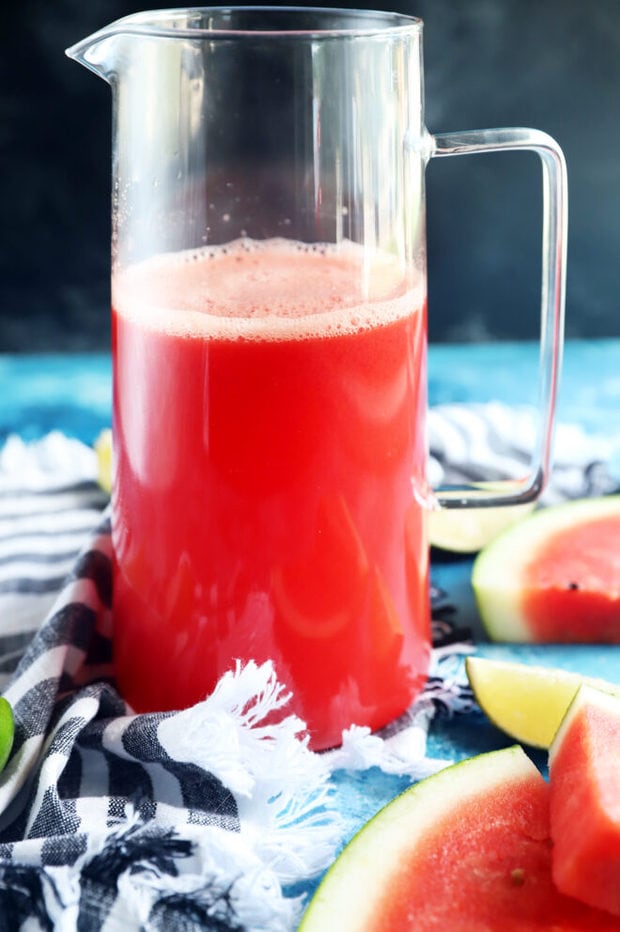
(112,820)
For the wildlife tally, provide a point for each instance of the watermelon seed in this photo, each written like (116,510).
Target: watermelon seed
(573,586)
(517,877)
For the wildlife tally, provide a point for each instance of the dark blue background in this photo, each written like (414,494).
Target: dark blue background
(552,64)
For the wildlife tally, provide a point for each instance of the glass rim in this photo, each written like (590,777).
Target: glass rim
(363,22)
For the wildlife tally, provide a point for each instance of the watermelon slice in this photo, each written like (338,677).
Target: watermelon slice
(584,770)
(465,849)
(555,576)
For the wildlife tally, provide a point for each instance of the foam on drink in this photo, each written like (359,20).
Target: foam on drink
(267,290)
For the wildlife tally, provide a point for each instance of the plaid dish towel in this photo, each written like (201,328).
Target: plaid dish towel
(206,818)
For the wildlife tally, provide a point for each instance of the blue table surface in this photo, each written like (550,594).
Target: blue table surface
(72,393)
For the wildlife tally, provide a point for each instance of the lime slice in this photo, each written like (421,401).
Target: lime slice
(103,449)
(467,530)
(527,702)
(7,731)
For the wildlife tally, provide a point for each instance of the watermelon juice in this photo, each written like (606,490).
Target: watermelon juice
(268,501)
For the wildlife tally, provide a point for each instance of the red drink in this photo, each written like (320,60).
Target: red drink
(269,410)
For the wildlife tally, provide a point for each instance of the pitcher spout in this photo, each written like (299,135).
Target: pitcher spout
(97,52)
(101,51)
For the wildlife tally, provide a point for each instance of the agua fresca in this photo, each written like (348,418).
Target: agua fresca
(269,485)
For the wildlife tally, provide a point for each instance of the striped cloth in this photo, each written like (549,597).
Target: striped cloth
(477,442)
(207,818)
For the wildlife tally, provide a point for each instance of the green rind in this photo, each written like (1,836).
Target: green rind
(497,570)
(587,694)
(358,879)
(7,731)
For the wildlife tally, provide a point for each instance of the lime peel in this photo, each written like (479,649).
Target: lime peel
(468,530)
(7,731)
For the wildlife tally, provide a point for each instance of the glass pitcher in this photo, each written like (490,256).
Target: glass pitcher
(269,353)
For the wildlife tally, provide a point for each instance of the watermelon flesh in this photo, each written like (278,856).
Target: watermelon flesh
(555,576)
(467,850)
(584,768)
(487,866)
(571,591)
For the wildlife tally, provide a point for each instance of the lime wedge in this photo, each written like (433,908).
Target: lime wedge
(7,731)
(103,449)
(526,702)
(467,530)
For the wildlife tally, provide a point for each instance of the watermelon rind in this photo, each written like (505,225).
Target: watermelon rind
(498,569)
(348,894)
(586,695)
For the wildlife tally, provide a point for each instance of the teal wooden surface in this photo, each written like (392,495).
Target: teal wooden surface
(72,392)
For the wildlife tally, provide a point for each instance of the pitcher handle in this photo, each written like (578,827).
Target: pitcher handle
(554,234)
